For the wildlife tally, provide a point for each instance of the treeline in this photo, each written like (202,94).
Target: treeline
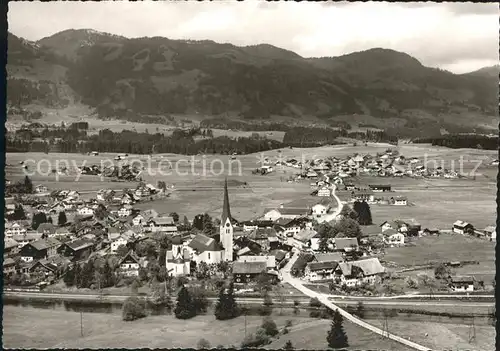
(222,123)
(459,141)
(374,135)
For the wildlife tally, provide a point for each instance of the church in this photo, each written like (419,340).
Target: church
(203,248)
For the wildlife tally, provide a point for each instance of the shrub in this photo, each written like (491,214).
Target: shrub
(285,331)
(254,340)
(315,314)
(314,302)
(269,327)
(288,323)
(133,308)
(203,344)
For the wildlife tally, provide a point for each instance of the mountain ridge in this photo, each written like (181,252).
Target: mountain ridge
(119,77)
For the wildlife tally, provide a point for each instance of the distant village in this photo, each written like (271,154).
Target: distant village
(51,234)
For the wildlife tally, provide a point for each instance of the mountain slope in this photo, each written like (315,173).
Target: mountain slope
(157,76)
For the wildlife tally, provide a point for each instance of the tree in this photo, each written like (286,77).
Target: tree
(288,346)
(49,220)
(198,222)
(28,185)
(349,227)
(199,300)
(348,212)
(134,287)
(69,277)
(108,277)
(326,232)
(208,226)
(101,212)
(174,216)
(203,344)
(364,215)
(133,308)
(19,213)
(62,218)
(226,307)
(263,282)
(337,337)
(269,326)
(185,223)
(442,271)
(38,219)
(184,308)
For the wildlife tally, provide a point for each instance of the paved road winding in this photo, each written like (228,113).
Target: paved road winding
(324,299)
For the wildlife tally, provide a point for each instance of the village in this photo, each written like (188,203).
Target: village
(49,233)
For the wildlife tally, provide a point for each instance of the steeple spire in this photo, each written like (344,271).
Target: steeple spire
(226,212)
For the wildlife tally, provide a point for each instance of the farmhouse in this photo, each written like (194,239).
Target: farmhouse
(15,228)
(9,266)
(270,260)
(287,227)
(328,257)
(11,247)
(264,237)
(302,238)
(358,272)
(244,272)
(287,213)
(461,227)
(393,237)
(346,244)
(76,250)
(39,249)
(41,189)
(430,231)
(46,228)
(86,211)
(315,271)
(162,224)
(380,188)
(130,264)
(462,283)
(362,195)
(399,201)
(491,232)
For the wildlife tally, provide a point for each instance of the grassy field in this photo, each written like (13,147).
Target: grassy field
(37,328)
(437,202)
(443,336)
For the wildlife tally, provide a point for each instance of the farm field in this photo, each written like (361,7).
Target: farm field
(443,336)
(435,202)
(37,328)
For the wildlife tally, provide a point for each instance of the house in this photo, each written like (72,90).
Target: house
(77,250)
(321,208)
(47,229)
(42,270)
(205,249)
(9,266)
(430,231)
(346,244)
(29,237)
(162,224)
(302,239)
(289,213)
(462,284)
(315,242)
(130,264)
(362,195)
(311,174)
(393,237)
(250,226)
(315,271)
(15,228)
(324,191)
(60,232)
(178,259)
(399,201)
(379,188)
(328,257)
(270,260)
(39,249)
(85,211)
(11,247)
(125,211)
(461,227)
(287,227)
(117,242)
(491,232)
(244,272)
(138,220)
(280,257)
(264,237)
(354,273)
(41,189)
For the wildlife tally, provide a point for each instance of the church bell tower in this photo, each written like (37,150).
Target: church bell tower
(226,227)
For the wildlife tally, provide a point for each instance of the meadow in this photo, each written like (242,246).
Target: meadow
(38,328)
(434,202)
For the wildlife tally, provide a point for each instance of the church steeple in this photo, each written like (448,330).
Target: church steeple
(226,211)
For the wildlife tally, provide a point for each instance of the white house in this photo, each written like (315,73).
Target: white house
(316,271)
(399,201)
(358,272)
(491,232)
(12,229)
(138,220)
(462,284)
(85,211)
(461,227)
(162,224)
(116,243)
(324,191)
(125,211)
(315,242)
(392,237)
(130,264)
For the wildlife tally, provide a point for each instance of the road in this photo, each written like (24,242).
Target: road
(324,299)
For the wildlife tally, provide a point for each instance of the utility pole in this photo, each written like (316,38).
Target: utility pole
(472,331)
(81,323)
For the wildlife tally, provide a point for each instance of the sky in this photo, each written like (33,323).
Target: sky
(459,37)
